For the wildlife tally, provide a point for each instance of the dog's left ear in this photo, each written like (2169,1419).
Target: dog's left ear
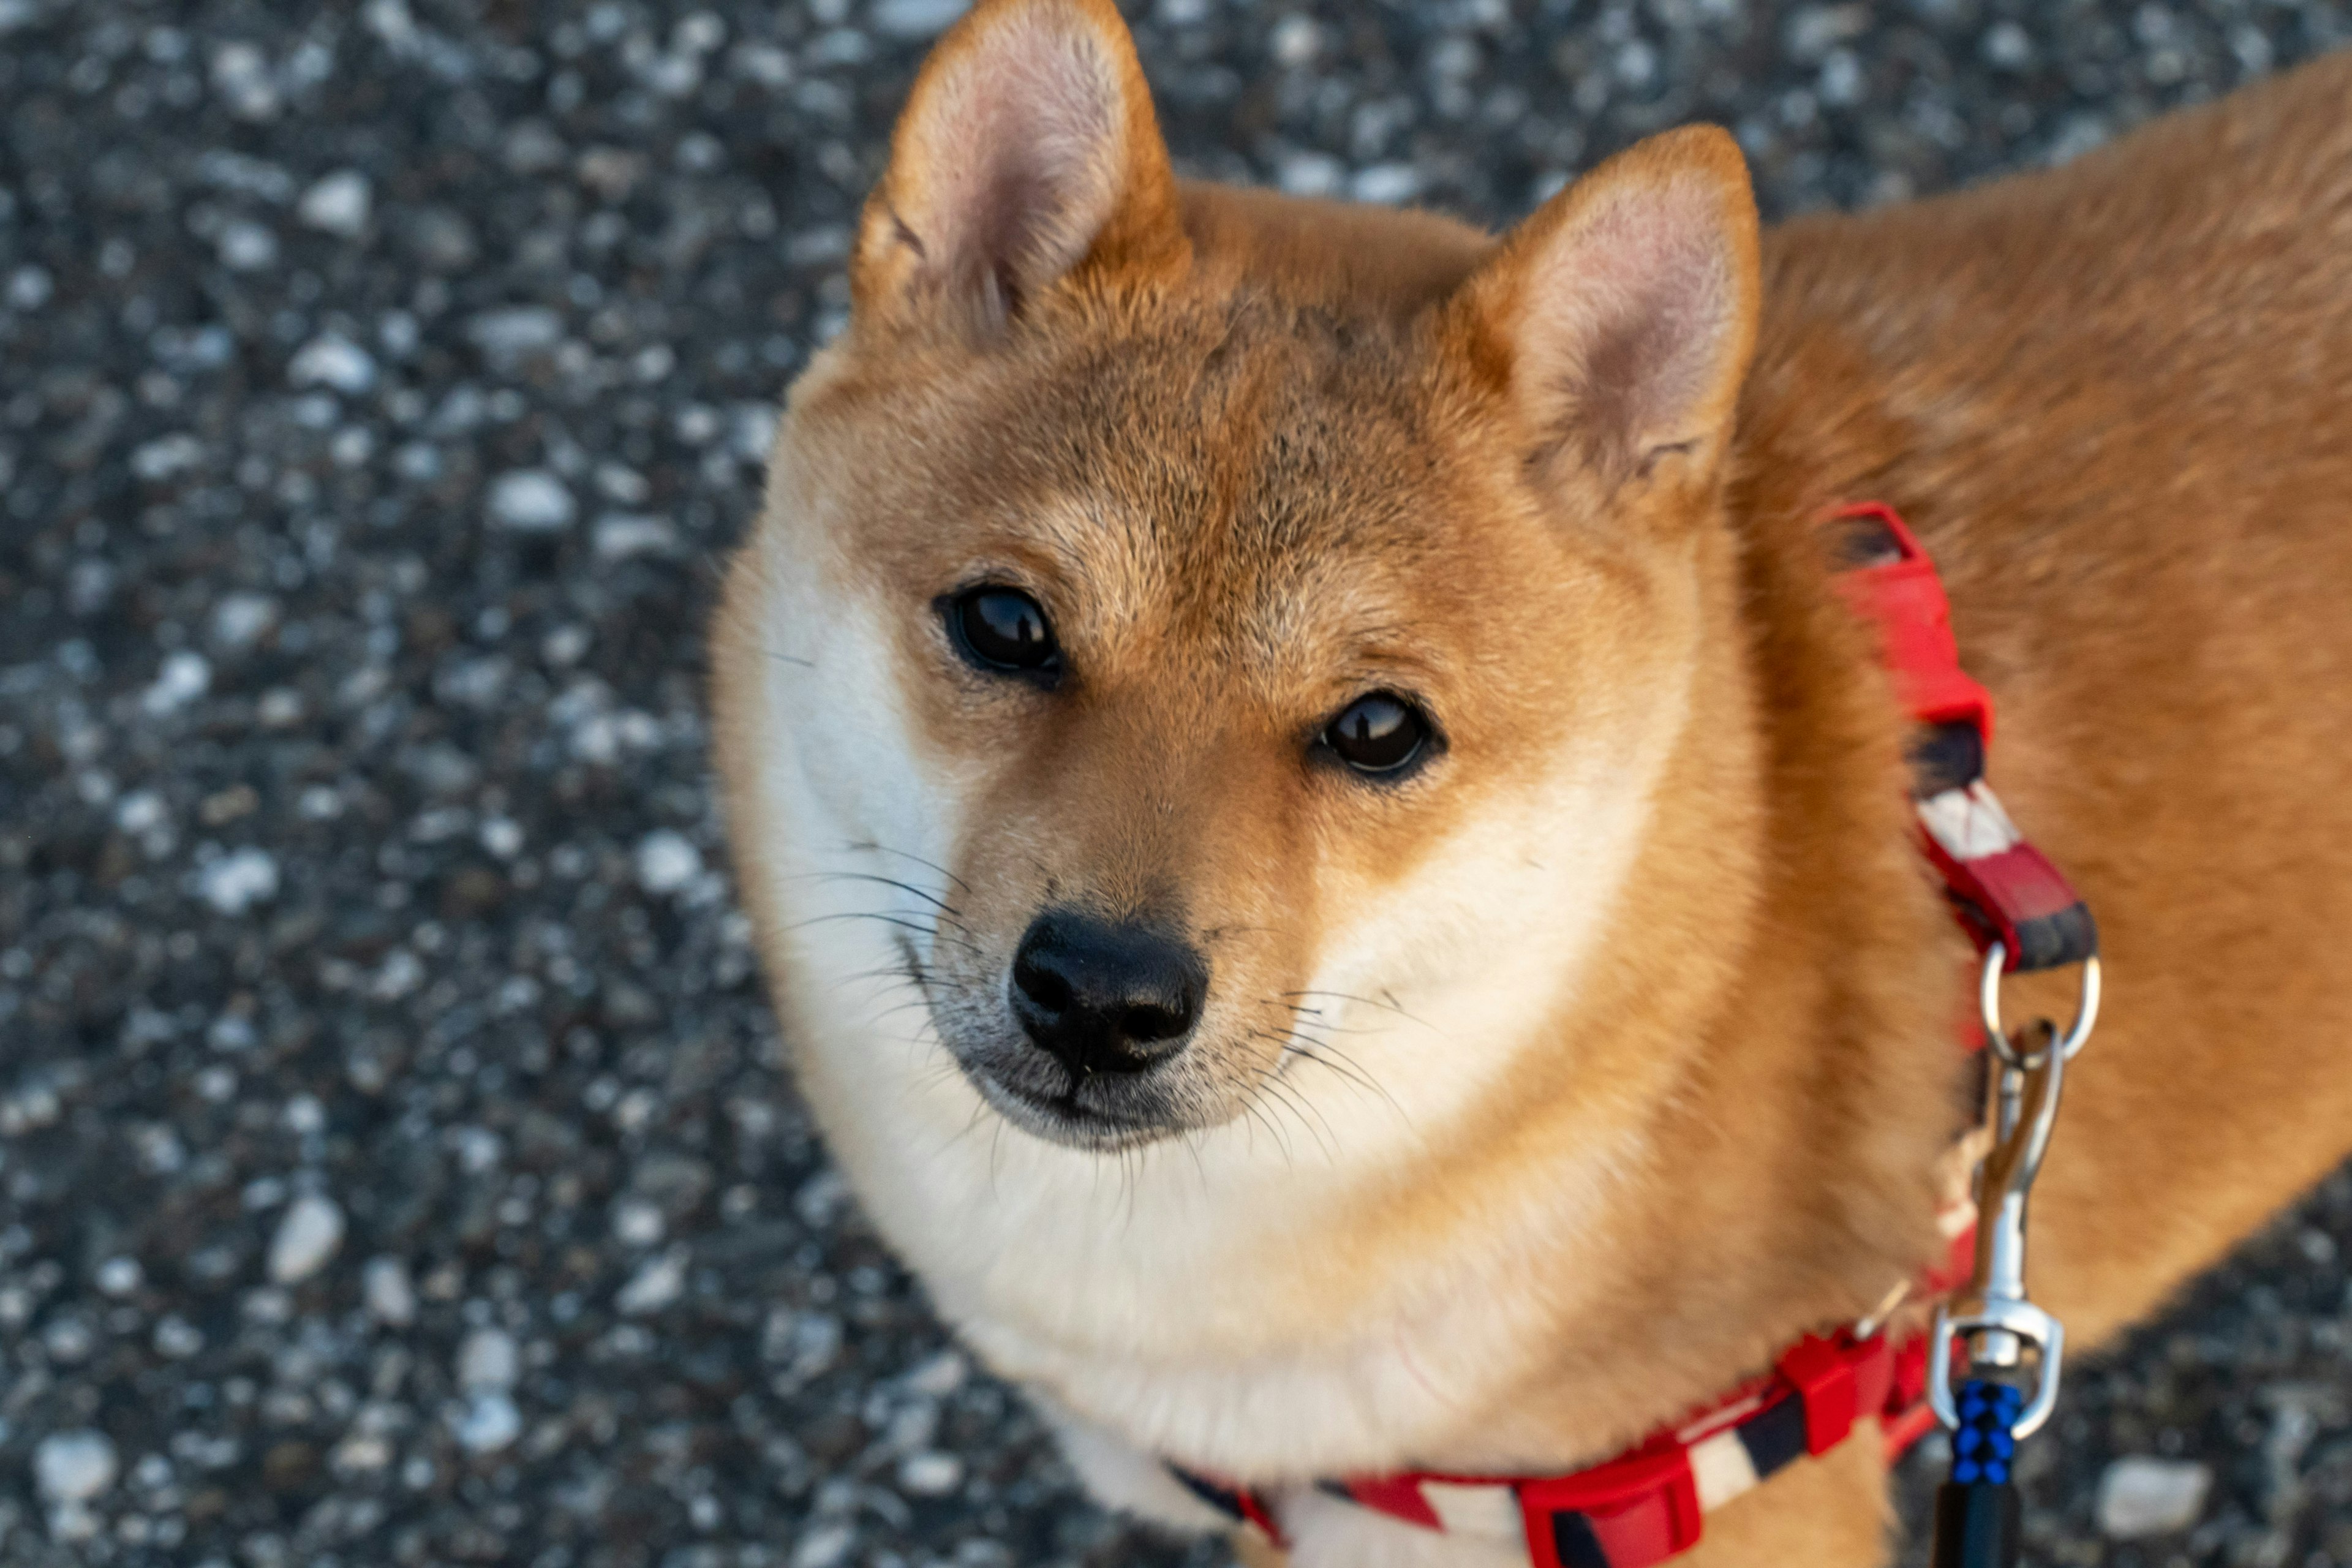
(1622,315)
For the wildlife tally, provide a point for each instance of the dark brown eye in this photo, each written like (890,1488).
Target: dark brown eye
(1378,734)
(1003,629)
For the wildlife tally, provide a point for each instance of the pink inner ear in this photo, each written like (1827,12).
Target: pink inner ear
(1022,148)
(1629,322)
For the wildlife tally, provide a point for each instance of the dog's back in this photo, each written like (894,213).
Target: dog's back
(2116,401)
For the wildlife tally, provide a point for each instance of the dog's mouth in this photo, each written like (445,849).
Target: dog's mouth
(1065,1118)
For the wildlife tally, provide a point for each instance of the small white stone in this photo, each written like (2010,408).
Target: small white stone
(916,18)
(74,1467)
(752,431)
(183,677)
(177,1337)
(827,1546)
(491,1423)
(515,330)
(306,1237)
(666,861)
(338,205)
(1297,40)
(167,456)
(1310,173)
(2007,45)
(247,247)
(620,535)
(488,1358)
(240,620)
(939,1377)
(2139,1496)
(1386,184)
(334,361)
(362,1453)
(930,1474)
(139,812)
(236,881)
(531,500)
(636,1222)
(29,288)
(391,1298)
(655,1286)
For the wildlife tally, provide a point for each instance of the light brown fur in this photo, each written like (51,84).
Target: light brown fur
(2115,401)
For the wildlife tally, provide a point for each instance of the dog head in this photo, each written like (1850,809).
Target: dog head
(1183,646)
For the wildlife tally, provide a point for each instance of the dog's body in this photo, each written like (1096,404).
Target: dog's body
(1543,1094)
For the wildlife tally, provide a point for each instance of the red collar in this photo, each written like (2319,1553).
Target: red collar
(1647,1505)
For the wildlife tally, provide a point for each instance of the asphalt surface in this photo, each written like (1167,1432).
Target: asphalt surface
(392,1165)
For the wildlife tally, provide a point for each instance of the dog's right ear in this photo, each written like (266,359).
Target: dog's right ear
(1028,155)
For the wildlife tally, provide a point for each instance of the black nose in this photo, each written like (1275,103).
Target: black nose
(1104,997)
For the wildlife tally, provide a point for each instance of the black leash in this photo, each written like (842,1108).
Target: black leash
(1977,1517)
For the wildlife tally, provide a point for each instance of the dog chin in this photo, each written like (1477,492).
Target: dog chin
(1066,1121)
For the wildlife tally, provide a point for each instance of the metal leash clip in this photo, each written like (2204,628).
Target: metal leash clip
(1993,1312)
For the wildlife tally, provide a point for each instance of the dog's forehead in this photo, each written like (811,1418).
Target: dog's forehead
(1269,485)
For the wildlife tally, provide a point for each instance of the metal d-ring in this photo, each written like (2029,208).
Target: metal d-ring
(2078,1033)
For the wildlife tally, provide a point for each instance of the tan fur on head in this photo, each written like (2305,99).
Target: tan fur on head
(1548,1088)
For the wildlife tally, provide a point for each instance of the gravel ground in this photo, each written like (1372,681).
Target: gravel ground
(392,1165)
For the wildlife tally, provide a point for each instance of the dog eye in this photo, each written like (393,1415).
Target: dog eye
(1003,629)
(1378,734)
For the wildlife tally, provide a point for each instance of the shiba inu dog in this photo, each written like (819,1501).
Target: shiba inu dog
(1336,872)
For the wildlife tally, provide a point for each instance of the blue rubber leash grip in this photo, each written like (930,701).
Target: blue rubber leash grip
(1978,1523)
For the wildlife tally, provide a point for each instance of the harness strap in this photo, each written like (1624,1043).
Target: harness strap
(1646,1506)
(2002,888)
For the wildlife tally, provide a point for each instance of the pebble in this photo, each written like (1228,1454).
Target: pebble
(515,330)
(488,1358)
(655,1285)
(531,500)
(2139,1497)
(241,620)
(332,362)
(619,535)
(239,880)
(490,1422)
(306,1237)
(916,18)
(339,204)
(74,1467)
(183,677)
(930,1474)
(826,1546)
(390,1296)
(247,247)
(636,1222)
(666,861)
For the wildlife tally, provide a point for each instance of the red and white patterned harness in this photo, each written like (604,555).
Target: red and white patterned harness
(1648,1505)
